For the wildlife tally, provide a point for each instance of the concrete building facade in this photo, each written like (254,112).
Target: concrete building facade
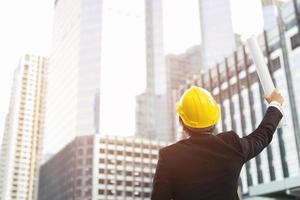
(101,167)
(21,149)
(180,68)
(235,85)
(73,103)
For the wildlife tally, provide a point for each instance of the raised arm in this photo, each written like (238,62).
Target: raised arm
(255,142)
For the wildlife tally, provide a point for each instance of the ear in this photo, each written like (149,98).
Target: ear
(180,121)
(185,129)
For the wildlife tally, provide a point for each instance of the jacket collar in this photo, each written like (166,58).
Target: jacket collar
(201,134)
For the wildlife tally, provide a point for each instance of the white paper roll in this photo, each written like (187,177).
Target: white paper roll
(261,66)
(262,69)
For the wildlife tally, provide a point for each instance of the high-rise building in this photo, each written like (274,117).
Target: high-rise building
(100,167)
(155,65)
(217,35)
(21,149)
(269,14)
(180,68)
(153,102)
(141,115)
(235,85)
(74,73)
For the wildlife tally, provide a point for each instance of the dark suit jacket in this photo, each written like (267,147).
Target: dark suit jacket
(206,166)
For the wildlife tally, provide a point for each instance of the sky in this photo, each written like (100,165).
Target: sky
(26,27)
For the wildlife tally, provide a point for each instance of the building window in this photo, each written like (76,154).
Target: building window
(111,161)
(137,194)
(137,154)
(119,162)
(80,152)
(147,194)
(79,142)
(119,182)
(153,156)
(78,193)
(145,155)
(89,161)
(119,172)
(110,152)
(88,182)
(128,153)
(119,152)
(295,41)
(127,163)
(88,193)
(110,142)
(78,182)
(146,185)
(100,191)
(79,172)
(137,184)
(90,151)
(128,183)
(101,181)
(102,151)
(111,192)
(90,141)
(275,64)
(88,171)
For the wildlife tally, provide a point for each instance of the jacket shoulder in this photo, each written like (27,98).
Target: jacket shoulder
(228,135)
(171,148)
(231,138)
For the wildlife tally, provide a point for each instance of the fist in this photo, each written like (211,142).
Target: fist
(275,96)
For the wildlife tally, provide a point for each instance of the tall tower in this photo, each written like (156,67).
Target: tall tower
(152,110)
(22,141)
(74,73)
(156,69)
(269,13)
(217,35)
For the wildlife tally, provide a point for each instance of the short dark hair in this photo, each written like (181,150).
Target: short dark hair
(195,131)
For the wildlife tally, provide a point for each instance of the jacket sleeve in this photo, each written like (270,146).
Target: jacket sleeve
(255,142)
(161,182)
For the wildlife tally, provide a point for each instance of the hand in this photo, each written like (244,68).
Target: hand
(275,96)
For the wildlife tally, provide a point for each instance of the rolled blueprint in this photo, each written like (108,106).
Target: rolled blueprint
(261,66)
(262,69)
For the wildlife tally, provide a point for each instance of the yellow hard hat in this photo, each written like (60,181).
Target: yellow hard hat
(197,108)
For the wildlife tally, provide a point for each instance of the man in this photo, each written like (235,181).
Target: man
(206,166)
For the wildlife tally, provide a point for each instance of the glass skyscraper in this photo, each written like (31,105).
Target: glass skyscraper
(152,118)
(217,35)
(74,73)
(235,85)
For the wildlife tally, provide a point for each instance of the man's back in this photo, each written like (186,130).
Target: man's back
(203,162)
(207,167)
